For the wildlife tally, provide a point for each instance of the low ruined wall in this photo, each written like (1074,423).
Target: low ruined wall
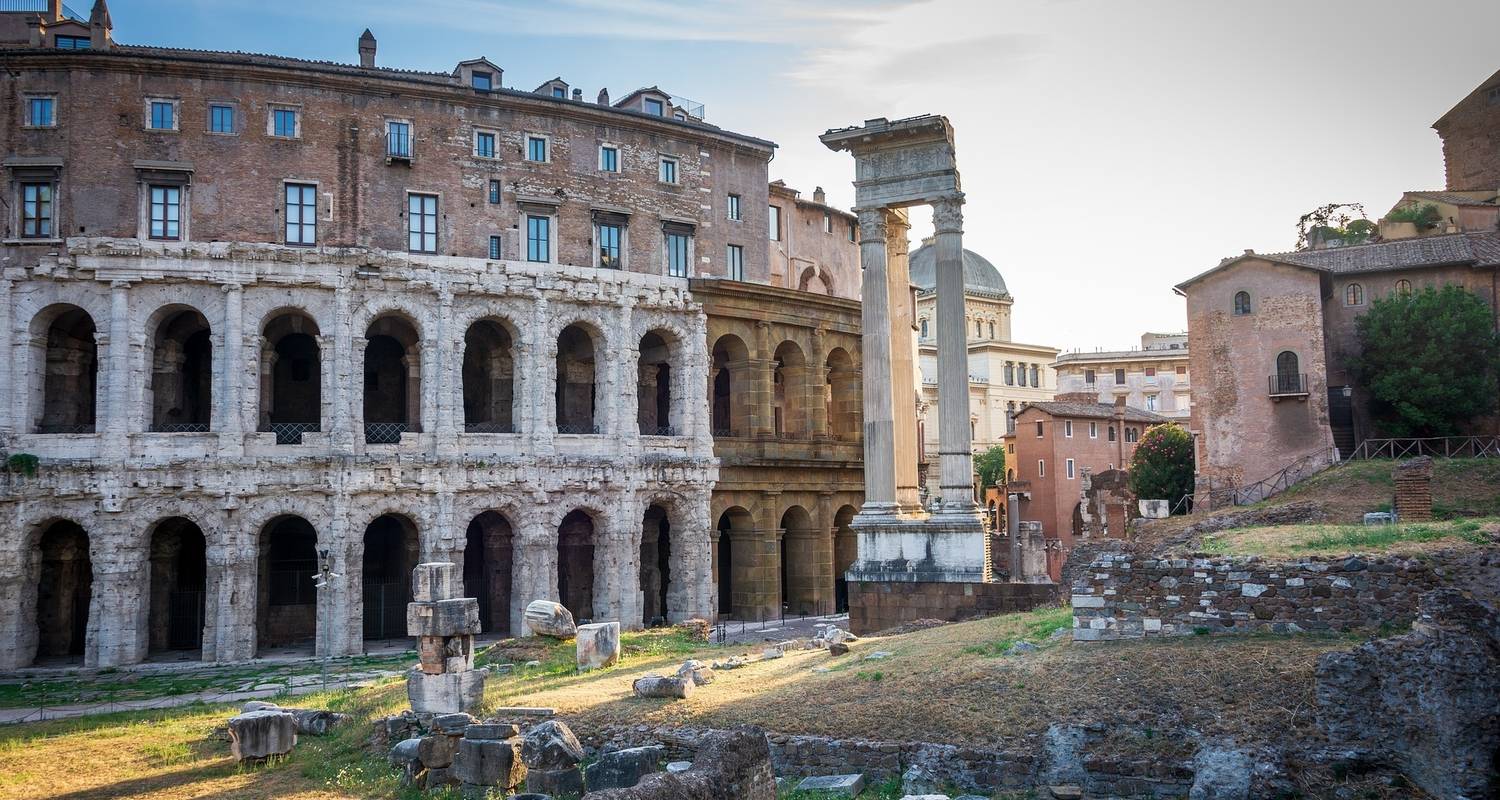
(879,605)
(1123,595)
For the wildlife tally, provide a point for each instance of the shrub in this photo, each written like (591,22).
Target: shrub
(1162,465)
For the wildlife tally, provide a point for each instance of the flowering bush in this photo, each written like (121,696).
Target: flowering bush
(1162,465)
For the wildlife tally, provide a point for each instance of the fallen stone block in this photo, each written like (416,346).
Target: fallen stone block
(491,730)
(838,649)
(437,750)
(458,617)
(701,674)
(487,762)
(771,653)
(261,734)
(551,745)
(448,693)
(833,785)
(453,724)
(404,757)
(598,645)
(558,782)
(661,686)
(432,581)
(546,618)
(623,768)
(679,766)
(730,764)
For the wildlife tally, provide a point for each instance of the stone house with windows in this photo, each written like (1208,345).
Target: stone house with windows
(1052,447)
(814,246)
(1152,378)
(267,315)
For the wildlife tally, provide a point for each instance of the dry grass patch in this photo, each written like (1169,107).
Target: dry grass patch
(1299,541)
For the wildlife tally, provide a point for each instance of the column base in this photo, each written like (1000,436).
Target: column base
(945,548)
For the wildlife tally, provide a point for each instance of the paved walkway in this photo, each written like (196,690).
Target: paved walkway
(776,630)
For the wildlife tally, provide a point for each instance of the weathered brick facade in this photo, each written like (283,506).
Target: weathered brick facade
(1471,139)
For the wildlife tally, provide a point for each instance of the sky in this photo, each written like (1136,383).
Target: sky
(1109,149)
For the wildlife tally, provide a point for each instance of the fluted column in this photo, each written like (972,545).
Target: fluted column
(955,450)
(903,361)
(875,322)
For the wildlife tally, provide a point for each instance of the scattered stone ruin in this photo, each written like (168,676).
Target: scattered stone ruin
(444,680)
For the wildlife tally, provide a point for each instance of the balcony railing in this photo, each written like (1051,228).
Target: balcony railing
(384,432)
(489,427)
(578,429)
(291,432)
(1288,385)
(180,427)
(658,430)
(55,429)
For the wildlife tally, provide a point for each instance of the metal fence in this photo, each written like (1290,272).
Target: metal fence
(489,427)
(384,432)
(291,432)
(578,429)
(385,609)
(180,427)
(185,620)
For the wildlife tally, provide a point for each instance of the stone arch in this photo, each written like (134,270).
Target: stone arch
(734,557)
(180,388)
(286,598)
(389,549)
(489,376)
(729,386)
(392,378)
(845,553)
(65,359)
(789,391)
(1288,372)
(816,280)
(659,366)
(842,396)
(63,577)
(291,375)
(655,564)
(577,379)
(577,535)
(178,582)
(801,552)
(489,564)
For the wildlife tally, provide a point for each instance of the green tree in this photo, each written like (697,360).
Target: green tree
(1162,465)
(1429,360)
(990,465)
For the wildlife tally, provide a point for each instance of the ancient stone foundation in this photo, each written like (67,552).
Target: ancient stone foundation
(878,605)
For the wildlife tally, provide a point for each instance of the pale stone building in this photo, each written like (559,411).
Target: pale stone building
(1003,374)
(265,316)
(814,246)
(1153,377)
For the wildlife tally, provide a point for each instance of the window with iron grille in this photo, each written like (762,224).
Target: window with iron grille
(36,210)
(398,139)
(494,192)
(166,212)
(301,213)
(421,223)
(494,248)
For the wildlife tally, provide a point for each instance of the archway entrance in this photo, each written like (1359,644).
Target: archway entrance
(845,552)
(575,381)
(654,387)
(656,570)
(488,556)
(64,590)
(182,374)
(287,600)
(179,570)
(789,392)
(69,366)
(393,380)
(575,565)
(291,400)
(799,562)
(391,551)
(489,378)
(728,412)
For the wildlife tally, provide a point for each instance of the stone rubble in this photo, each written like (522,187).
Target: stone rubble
(598,645)
(256,735)
(444,680)
(622,769)
(659,686)
(546,618)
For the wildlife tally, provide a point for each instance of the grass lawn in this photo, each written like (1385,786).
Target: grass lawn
(1292,541)
(950,684)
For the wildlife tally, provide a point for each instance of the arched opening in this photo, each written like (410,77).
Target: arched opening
(488,556)
(179,573)
(393,380)
(845,553)
(69,361)
(789,392)
(733,557)
(1288,379)
(391,551)
(575,381)
(1241,303)
(182,373)
(575,565)
(801,557)
(814,281)
(656,571)
(842,396)
(287,600)
(489,378)
(728,411)
(64,590)
(291,400)
(654,389)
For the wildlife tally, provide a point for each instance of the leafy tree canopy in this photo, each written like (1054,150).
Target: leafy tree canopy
(991,465)
(1429,360)
(1162,465)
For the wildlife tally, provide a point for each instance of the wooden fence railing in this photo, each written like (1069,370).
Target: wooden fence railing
(1434,446)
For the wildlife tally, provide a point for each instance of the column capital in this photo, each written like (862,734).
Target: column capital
(872,224)
(948,214)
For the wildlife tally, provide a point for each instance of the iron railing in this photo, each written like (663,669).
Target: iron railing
(489,427)
(577,429)
(1293,473)
(721,432)
(291,432)
(40,7)
(57,429)
(385,609)
(398,144)
(180,427)
(292,587)
(1433,446)
(1283,384)
(185,626)
(384,432)
(658,430)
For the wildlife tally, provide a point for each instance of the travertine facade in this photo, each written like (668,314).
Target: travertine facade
(267,316)
(1153,378)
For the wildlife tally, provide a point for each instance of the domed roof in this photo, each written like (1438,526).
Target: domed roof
(980,276)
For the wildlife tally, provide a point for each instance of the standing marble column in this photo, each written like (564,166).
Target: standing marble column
(875,323)
(903,361)
(956,457)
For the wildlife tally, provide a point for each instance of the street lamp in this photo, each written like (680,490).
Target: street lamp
(322,580)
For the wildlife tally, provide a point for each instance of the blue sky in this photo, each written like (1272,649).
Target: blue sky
(1109,148)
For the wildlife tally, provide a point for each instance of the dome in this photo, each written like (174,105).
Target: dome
(980,276)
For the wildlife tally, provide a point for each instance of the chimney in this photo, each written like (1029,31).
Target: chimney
(578,95)
(818,196)
(101,27)
(54,11)
(367,49)
(603,97)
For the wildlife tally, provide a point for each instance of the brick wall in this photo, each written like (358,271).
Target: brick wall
(878,605)
(1125,596)
(1471,140)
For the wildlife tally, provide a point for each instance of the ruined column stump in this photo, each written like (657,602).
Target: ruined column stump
(1413,490)
(444,680)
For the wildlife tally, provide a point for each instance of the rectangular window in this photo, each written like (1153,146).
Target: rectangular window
(284,123)
(1182,370)
(677,255)
(775,223)
(1119,377)
(483,81)
(1088,377)
(1036,377)
(1041,468)
(733,207)
(1070,469)
(735,258)
(609,159)
(166,212)
(220,119)
(609,237)
(538,239)
(398,139)
(1038,429)
(301,213)
(484,144)
(852,237)
(558,91)
(536,148)
(1150,402)
(1132,435)
(1093,430)
(494,248)
(1068,428)
(827,222)
(421,223)
(667,173)
(39,112)
(163,115)
(73,42)
(1111,433)
(655,107)
(494,193)
(36,210)
(1151,372)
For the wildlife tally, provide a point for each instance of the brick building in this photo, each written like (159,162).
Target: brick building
(265,314)
(1053,446)
(1153,378)
(814,246)
(1273,336)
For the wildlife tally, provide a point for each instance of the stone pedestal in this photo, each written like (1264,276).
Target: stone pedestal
(444,680)
(598,645)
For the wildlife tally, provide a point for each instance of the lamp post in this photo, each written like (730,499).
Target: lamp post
(322,580)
